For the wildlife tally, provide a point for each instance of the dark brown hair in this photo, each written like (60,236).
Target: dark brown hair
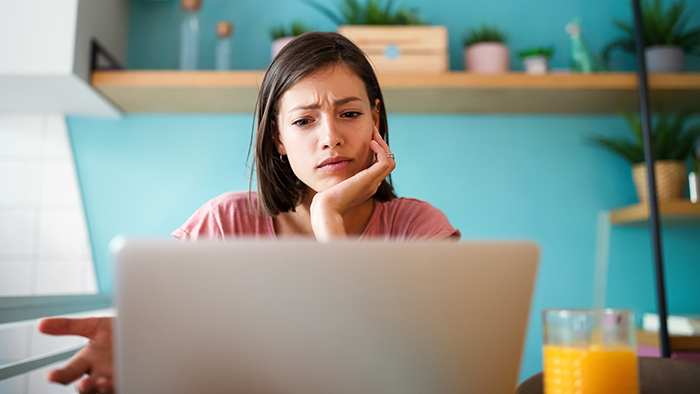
(279,189)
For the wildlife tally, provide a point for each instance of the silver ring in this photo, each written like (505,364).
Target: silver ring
(390,155)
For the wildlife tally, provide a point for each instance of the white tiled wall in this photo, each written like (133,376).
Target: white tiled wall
(44,245)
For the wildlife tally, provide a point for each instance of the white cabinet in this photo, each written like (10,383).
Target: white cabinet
(46,55)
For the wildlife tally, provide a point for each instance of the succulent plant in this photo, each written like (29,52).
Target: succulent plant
(536,51)
(484,34)
(372,12)
(297,28)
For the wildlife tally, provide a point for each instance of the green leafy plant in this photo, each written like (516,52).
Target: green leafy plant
(536,51)
(660,28)
(372,12)
(297,28)
(671,136)
(484,34)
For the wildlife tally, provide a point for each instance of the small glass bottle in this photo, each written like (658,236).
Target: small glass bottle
(189,34)
(222,53)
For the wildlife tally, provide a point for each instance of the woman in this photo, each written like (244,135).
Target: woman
(321,163)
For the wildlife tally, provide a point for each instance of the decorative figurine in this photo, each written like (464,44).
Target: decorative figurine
(582,59)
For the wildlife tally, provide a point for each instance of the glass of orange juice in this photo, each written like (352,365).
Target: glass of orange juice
(589,351)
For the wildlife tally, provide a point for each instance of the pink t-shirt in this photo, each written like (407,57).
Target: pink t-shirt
(403,218)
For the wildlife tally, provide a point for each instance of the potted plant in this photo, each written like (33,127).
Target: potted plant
(673,141)
(665,37)
(485,51)
(536,59)
(281,35)
(393,39)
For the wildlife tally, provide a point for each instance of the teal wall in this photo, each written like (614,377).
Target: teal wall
(506,177)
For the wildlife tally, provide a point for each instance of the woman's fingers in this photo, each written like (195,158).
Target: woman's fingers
(62,326)
(385,164)
(377,137)
(87,386)
(105,385)
(75,368)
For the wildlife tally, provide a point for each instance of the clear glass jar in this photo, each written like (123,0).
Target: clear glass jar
(189,35)
(222,52)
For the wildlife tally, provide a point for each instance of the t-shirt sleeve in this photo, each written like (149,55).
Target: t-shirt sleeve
(204,223)
(425,222)
(412,220)
(228,215)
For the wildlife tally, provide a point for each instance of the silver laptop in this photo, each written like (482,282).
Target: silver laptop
(304,317)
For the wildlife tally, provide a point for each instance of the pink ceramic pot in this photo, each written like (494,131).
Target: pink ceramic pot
(487,58)
(278,44)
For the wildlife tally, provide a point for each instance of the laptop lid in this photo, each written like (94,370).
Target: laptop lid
(305,317)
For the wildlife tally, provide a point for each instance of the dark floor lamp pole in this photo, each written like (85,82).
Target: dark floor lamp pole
(651,178)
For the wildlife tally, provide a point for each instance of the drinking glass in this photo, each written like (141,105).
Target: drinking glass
(589,351)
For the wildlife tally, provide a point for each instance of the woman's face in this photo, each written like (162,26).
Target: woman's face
(325,124)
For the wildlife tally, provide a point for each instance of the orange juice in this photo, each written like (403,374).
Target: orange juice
(590,369)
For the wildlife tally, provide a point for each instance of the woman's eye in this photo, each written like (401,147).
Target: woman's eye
(301,122)
(351,114)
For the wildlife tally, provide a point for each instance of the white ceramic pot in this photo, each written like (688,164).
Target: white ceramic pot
(278,44)
(694,183)
(665,59)
(487,58)
(537,65)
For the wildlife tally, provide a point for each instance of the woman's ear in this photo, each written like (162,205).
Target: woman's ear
(375,112)
(278,142)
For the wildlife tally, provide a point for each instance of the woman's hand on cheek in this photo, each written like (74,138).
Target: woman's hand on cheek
(329,206)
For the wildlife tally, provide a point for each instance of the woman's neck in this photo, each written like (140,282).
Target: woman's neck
(298,223)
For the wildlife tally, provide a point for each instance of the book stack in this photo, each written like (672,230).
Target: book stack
(684,335)
(677,324)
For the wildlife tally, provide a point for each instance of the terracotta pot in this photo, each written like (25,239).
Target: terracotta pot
(670,180)
(487,58)
(536,65)
(665,59)
(278,44)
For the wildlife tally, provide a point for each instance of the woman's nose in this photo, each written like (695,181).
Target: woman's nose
(330,136)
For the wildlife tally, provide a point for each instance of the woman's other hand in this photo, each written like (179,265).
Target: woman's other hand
(95,359)
(329,206)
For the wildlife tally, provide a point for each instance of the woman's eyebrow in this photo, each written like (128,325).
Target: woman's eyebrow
(317,105)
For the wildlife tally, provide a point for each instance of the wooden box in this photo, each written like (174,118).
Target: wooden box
(402,48)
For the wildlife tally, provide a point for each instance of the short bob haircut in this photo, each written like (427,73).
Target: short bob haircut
(279,189)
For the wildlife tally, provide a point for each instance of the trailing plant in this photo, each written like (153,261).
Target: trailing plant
(484,34)
(372,12)
(536,51)
(671,136)
(297,28)
(660,28)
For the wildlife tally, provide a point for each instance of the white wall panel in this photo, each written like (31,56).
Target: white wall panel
(16,278)
(20,135)
(62,232)
(57,145)
(60,185)
(17,232)
(44,245)
(19,181)
(56,277)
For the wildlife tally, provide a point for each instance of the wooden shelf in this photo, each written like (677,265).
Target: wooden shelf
(674,213)
(454,92)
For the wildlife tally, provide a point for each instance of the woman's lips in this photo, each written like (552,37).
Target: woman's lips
(335,163)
